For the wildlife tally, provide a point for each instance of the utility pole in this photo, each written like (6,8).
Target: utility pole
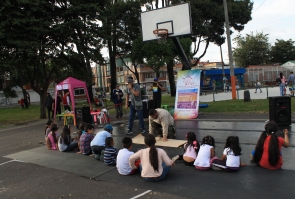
(222,65)
(230,53)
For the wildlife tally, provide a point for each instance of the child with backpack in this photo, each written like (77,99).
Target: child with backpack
(191,149)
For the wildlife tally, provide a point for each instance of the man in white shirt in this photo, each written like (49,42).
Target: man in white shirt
(258,86)
(98,143)
(162,123)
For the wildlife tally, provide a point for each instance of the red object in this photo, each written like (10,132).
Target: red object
(22,102)
(64,100)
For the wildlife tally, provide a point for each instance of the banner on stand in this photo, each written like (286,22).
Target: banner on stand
(187,94)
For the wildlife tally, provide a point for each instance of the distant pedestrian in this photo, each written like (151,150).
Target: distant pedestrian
(26,102)
(224,80)
(66,101)
(48,104)
(214,84)
(157,89)
(258,86)
(282,83)
(22,103)
(291,80)
(117,95)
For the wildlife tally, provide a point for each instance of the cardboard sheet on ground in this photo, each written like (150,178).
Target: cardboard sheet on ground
(139,139)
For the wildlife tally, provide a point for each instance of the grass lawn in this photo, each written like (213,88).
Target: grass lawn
(16,116)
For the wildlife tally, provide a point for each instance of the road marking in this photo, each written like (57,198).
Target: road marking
(142,194)
(10,161)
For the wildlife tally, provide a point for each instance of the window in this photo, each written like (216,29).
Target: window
(79,91)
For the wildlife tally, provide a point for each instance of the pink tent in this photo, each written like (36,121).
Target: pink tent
(70,84)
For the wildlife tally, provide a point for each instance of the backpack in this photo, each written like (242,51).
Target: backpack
(278,80)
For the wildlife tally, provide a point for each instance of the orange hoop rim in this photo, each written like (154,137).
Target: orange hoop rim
(160,32)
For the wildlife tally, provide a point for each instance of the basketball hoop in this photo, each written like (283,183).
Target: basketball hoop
(161,35)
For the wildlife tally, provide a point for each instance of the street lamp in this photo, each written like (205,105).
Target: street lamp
(232,72)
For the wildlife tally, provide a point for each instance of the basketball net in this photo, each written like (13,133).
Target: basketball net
(161,35)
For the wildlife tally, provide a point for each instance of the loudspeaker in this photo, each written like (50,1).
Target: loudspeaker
(247,97)
(86,115)
(280,110)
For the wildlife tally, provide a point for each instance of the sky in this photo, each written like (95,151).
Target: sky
(273,17)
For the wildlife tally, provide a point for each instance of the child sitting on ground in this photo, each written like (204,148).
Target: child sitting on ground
(47,128)
(65,142)
(110,152)
(191,149)
(51,140)
(206,154)
(230,160)
(123,158)
(85,139)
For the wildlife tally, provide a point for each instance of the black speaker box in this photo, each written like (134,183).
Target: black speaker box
(86,115)
(280,110)
(247,97)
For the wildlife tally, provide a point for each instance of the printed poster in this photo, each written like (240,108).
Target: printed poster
(187,94)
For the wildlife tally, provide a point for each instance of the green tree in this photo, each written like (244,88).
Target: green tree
(121,24)
(251,50)
(282,51)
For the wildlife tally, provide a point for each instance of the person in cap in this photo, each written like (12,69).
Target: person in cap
(48,104)
(117,95)
(98,143)
(136,105)
(157,89)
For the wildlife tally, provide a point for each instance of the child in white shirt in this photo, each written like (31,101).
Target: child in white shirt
(206,154)
(123,158)
(230,160)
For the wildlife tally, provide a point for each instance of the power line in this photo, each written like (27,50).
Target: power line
(276,24)
(259,6)
(274,21)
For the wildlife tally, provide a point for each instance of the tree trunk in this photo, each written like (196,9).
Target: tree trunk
(43,94)
(90,93)
(170,72)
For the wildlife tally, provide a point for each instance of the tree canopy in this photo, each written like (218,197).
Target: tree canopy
(282,51)
(251,50)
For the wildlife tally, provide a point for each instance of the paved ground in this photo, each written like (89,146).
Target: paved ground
(29,170)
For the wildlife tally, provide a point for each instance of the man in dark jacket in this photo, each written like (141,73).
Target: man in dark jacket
(48,105)
(117,95)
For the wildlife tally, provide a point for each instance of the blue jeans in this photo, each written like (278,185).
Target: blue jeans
(282,88)
(132,115)
(166,169)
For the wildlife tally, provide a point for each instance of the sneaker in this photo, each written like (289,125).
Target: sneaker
(129,132)
(142,131)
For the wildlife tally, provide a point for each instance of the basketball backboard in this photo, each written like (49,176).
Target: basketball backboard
(176,19)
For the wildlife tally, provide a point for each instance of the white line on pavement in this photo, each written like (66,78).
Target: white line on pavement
(141,194)
(10,161)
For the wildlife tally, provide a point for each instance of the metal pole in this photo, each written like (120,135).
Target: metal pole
(230,53)
(222,65)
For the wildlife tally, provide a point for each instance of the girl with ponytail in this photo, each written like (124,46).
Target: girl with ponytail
(267,152)
(155,162)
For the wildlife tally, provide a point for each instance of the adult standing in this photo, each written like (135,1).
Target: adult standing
(224,80)
(282,84)
(155,163)
(291,80)
(58,107)
(258,86)
(117,95)
(157,89)
(66,101)
(162,123)
(48,105)
(136,105)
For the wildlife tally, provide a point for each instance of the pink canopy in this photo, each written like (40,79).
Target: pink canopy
(70,84)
